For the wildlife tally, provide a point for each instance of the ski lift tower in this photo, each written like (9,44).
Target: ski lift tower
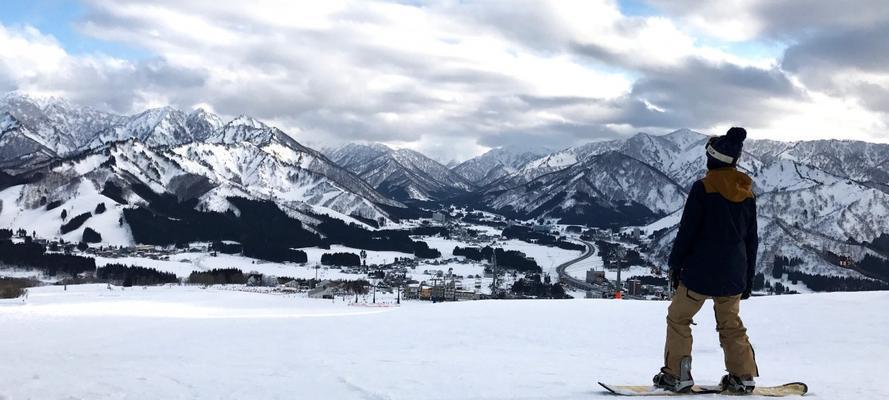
(374,282)
(621,253)
(494,270)
(399,281)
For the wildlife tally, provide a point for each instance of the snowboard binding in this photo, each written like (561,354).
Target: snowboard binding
(736,385)
(681,384)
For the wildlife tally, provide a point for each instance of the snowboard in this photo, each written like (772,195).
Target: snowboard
(788,389)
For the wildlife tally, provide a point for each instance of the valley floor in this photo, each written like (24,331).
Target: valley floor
(90,342)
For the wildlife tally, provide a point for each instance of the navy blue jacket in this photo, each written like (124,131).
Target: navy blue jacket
(715,248)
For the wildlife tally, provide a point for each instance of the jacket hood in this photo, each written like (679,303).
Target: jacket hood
(732,184)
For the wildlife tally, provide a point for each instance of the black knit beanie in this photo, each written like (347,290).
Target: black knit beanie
(724,151)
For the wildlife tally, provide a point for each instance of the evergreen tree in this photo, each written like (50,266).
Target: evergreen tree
(759,281)
(91,236)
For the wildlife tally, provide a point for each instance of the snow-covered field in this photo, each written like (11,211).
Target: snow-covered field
(548,258)
(183,263)
(189,343)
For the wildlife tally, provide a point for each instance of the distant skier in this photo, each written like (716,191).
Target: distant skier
(713,257)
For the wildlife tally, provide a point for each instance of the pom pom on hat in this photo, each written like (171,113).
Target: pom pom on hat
(736,134)
(724,151)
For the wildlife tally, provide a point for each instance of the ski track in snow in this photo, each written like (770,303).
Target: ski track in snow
(189,343)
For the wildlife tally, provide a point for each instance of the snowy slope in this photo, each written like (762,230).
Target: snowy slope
(786,175)
(210,172)
(830,190)
(64,129)
(281,174)
(192,155)
(780,238)
(82,197)
(155,127)
(496,163)
(606,188)
(402,174)
(201,124)
(20,148)
(860,161)
(187,342)
(842,210)
(823,193)
(677,154)
(61,127)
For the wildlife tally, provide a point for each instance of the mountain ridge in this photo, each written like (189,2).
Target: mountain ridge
(832,194)
(404,174)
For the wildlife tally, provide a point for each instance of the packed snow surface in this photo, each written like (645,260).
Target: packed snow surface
(189,343)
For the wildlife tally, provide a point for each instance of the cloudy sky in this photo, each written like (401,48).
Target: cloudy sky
(454,78)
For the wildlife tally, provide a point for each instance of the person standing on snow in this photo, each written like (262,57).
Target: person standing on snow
(713,257)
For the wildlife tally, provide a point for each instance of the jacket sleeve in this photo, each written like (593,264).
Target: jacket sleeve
(688,226)
(752,242)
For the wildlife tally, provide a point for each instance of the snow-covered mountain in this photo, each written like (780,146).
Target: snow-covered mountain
(607,188)
(191,156)
(59,126)
(677,154)
(201,124)
(863,162)
(647,177)
(816,199)
(20,146)
(496,163)
(402,174)
(155,127)
(302,184)
(64,129)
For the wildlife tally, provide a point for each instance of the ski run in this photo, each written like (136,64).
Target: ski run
(185,342)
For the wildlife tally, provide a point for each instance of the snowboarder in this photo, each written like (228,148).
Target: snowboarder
(713,257)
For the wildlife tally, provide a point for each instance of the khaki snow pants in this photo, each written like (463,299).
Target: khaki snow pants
(739,357)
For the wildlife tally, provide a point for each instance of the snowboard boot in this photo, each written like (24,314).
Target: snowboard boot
(737,385)
(678,384)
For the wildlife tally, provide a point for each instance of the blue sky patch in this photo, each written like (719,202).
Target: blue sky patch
(58,18)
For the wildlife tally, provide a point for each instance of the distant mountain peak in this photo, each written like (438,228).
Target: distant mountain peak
(39,100)
(380,147)
(248,121)
(685,137)
(684,132)
(498,162)
(404,174)
(202,124)
(199,111)
(245,128)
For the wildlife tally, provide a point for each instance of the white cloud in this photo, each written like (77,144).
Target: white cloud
(824,117)
(445,77)
(730,20)
(36,55)
(354,70)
